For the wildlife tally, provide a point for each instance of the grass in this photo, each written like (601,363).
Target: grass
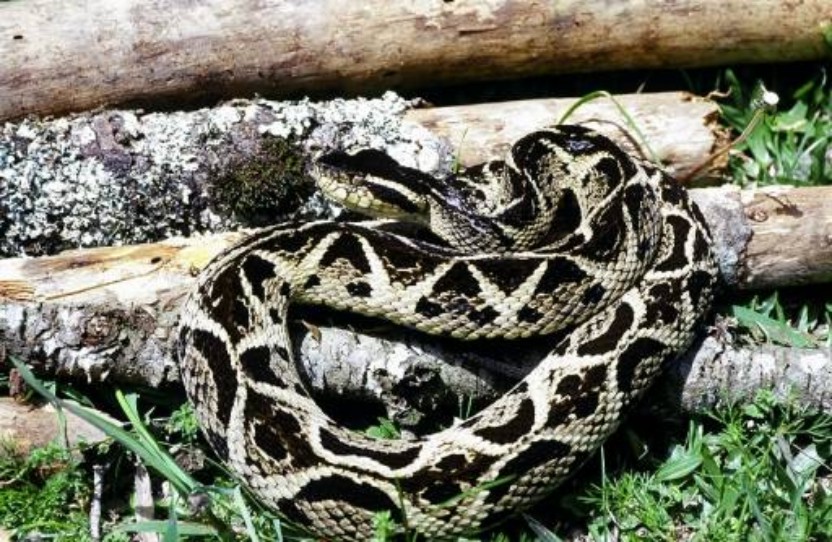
(43,491)
(791,146)
(750,472)
(745,472)
(767,320)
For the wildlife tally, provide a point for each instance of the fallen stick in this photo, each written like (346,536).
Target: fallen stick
(81,54)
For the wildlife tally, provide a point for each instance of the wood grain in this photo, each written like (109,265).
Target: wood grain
(81,54)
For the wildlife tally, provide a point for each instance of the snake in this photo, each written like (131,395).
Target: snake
(568,236)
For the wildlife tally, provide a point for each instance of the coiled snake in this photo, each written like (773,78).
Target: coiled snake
(569,233)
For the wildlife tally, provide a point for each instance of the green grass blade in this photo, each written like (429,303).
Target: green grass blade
(168,467)
(621,109)
(184,528)
(775,330)
(543,534)
(151,457)
(242,507)
(681,464)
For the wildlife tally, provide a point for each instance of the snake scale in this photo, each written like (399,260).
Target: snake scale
(568,233)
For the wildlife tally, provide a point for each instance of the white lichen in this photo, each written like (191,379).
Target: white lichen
(117,177)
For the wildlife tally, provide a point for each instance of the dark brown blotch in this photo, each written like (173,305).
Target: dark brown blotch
(672,192)
(580,395)
(257,271)
(507,275)
(635,197)
(312,281)
(519,424)
(593,295)
(283,428)
(701,250)
(428,308)
(661,303)
(567,217)
(610,170)
(608,340)
(393,460)
(215,352)
(346,246)
(274,314)
(607,235)
(281,352)
(457,279)
(442,491)
(402,262)
(483,316)
(255,363)
(336,488)
(536,454)
(559,272)
(268,440)
(529,315)
(636,353)
(241,314)
(226,294)
(457,467)
(699,287)
(680,228)
(359,288)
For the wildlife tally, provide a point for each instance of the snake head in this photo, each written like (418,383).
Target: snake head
(372,183)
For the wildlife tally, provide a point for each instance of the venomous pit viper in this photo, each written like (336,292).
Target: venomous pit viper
(568,233)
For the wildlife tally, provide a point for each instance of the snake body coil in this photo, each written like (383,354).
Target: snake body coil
(570,233)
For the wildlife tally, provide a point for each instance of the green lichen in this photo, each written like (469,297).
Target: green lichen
(265,186)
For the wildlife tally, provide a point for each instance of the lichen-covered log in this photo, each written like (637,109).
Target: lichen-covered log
(120,177)
(714,373)
(110,313)
(80,54)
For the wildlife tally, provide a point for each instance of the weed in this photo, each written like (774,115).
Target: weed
(43,494)
(760,475)
(385,430)
(793,146)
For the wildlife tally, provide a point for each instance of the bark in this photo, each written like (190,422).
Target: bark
(714,373)
(81,54)
(123,177)
(109,314)
(792,236)
(680,130)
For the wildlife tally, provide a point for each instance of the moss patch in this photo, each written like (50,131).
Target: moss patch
(44,493)
(265,186)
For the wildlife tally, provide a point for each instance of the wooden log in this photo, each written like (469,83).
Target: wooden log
(794,226)
(765,238)
(715,374)
(81,54)
(680,130)
(123,177)
(109,314)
